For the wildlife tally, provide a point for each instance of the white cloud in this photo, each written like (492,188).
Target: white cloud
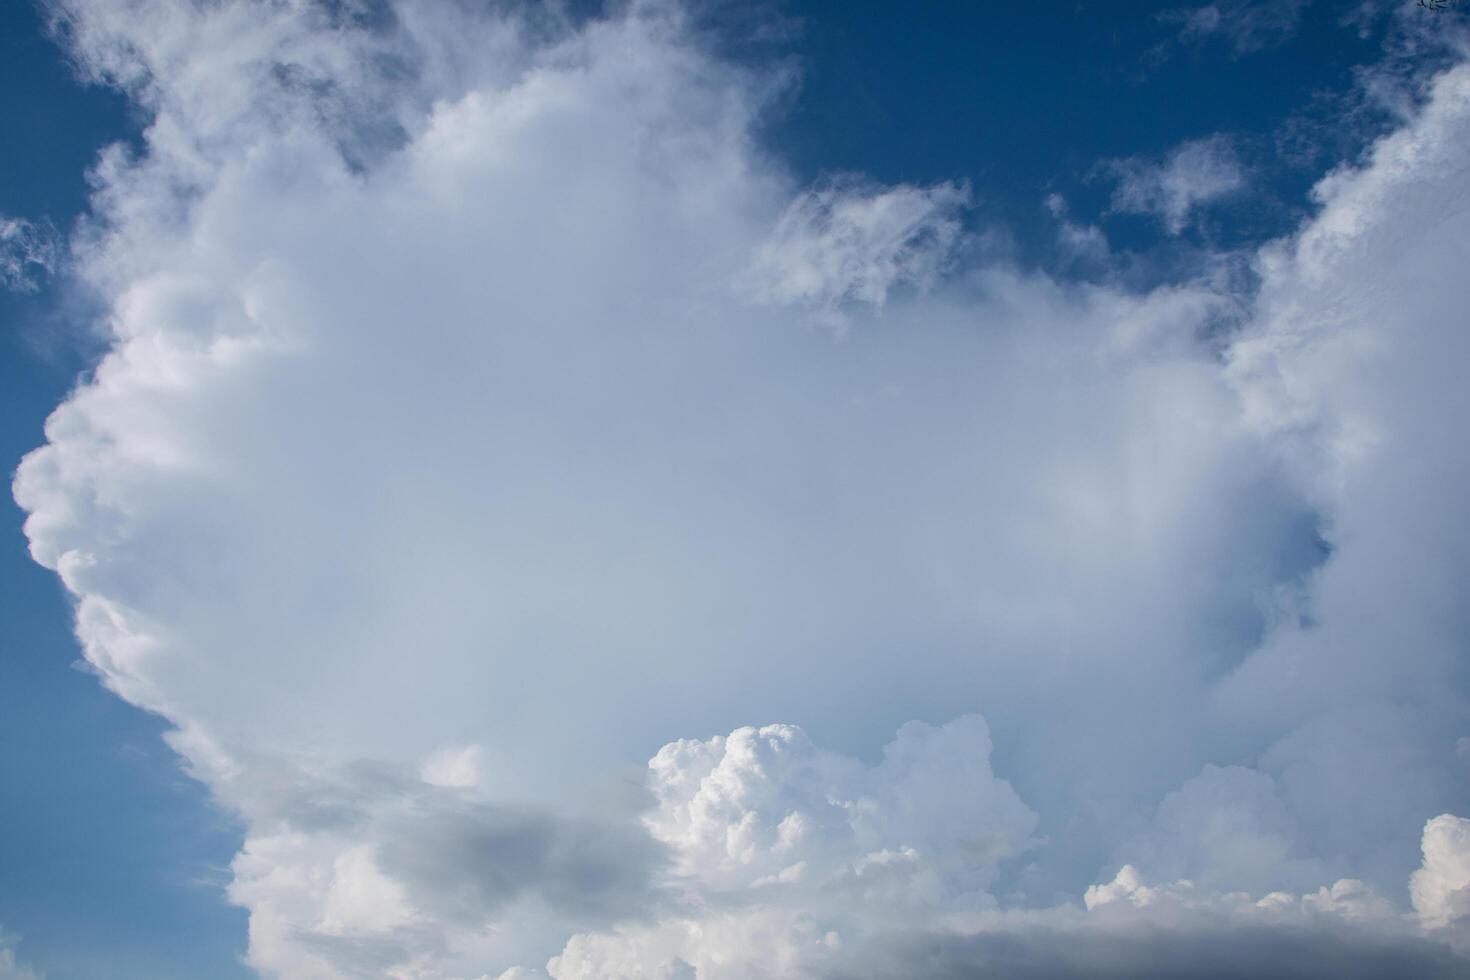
(458,766)
(789,859)
(1225,828)
(1077,243)
(1131,926)
(1347,372)
(846,242)
(464,438)
(27,250)
(753,806)
(1192,175)
(1346,898)
(1441,888)
(1246,25)
(11,967)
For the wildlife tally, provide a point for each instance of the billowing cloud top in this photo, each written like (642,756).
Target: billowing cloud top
(486,413)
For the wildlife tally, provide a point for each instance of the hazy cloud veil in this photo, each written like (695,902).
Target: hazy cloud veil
(487,414)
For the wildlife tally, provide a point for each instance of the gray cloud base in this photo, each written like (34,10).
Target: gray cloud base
(1204,954)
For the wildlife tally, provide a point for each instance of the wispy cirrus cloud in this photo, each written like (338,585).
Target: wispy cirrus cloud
(28,251)
(1246,26)
(1172,189)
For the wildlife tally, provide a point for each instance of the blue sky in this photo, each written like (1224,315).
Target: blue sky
(111,857)
(483,407)
(1045,98)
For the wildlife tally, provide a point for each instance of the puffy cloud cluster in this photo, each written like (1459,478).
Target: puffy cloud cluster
(473,425)
(726,809)
(788,860)
(1441,888)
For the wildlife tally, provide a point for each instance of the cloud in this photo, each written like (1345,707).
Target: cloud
(726,806)
(464,438)
(1227,953)
(787,856)
(1080,245)
(1344,372)
(11,968)
(843,242)
(1192,175)
(839,928)
(27,251)
(1246,25)
(1441,888)
(1225,828)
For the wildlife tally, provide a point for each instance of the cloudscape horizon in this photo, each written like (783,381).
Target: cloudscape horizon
(571,528)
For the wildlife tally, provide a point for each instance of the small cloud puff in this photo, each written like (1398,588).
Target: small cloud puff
(847,242)
(1172,189)
(28,252)
(11,967)
(789,859)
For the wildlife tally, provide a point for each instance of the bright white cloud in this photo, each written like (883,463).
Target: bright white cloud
(465,438)
(765,803)
(1441,888)
(788,860)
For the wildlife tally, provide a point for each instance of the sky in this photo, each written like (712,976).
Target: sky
(697,490)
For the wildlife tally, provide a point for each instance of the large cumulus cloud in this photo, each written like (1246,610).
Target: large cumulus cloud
(485,409)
